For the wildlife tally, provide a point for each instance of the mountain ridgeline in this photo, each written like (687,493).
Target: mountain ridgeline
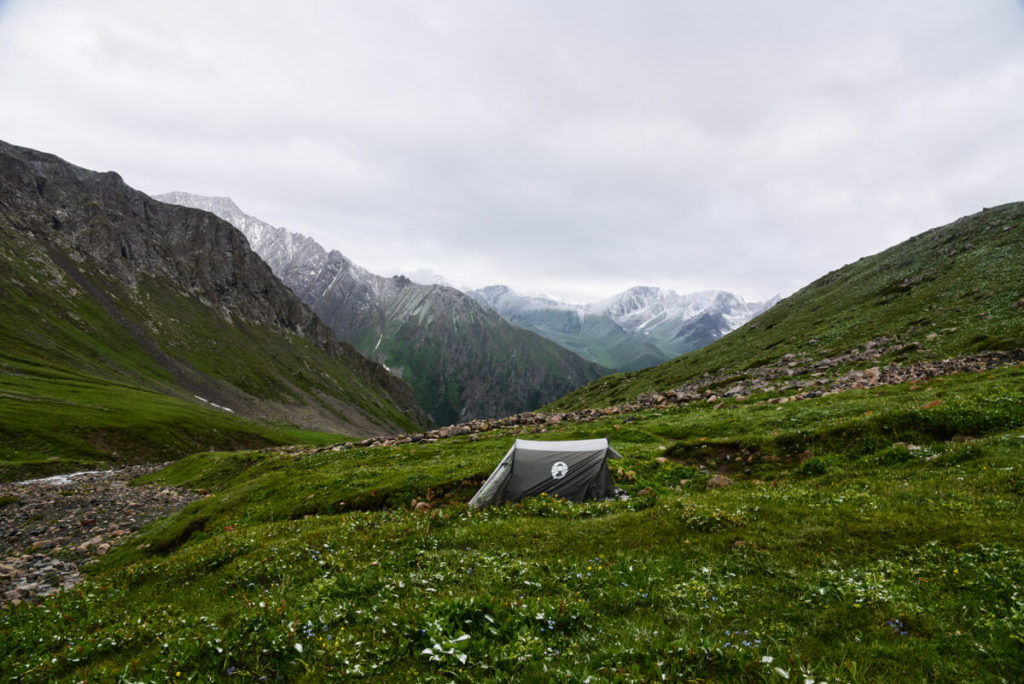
(635,329)
(951,291)
(462,359)
(108,293)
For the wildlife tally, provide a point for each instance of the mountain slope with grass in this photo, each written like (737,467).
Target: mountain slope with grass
(139,330)
(950,291)
(462,359)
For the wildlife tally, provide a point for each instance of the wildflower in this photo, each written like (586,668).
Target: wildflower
(767,660)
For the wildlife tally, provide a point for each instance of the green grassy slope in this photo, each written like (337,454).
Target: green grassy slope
(56,420)
(950,291)
(869,536)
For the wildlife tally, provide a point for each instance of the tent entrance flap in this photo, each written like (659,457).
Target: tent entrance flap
(574,470)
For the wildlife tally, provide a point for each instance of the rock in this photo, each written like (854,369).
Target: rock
(91,511)
(718,480)
(661,459)
(422,506)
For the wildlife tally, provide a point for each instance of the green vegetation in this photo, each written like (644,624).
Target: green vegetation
(63,422)
(868,536)
(947,292)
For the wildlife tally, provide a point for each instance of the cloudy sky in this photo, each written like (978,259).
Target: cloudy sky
(574,147)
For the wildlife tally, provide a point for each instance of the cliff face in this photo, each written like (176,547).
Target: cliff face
(185,289)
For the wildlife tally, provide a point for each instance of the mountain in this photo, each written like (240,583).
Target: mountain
(108,293)
(463,360)
(635,329)
(951,291)
(596,337)
(678,323)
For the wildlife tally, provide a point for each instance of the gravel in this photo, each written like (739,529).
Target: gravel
(58,524)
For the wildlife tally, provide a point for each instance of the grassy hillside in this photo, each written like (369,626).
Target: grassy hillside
(57,420)
(868,536)
(949,291)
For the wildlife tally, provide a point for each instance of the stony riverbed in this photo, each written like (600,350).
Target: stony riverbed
(51,527)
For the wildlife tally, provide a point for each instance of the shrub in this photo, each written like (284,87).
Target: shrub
(813,466)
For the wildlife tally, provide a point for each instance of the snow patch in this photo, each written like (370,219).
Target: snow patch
(218,406)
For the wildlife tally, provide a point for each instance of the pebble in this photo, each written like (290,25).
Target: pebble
(58,524)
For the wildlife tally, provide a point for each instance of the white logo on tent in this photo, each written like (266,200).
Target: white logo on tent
(559,470)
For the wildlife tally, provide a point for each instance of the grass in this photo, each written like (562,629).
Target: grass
(56,422)
(865,538)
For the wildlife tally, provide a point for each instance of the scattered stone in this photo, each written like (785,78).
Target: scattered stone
(87,514)
(718,480)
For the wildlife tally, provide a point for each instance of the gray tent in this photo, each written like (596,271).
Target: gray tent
(573,470)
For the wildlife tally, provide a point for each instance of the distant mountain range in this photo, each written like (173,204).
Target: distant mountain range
(635,329)
(462,359)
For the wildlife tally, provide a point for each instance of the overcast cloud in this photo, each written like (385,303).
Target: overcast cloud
(571,147)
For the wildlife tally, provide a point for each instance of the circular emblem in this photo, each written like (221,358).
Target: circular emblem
(559,470)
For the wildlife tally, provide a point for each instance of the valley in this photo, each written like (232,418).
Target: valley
(461,359)
(831,491)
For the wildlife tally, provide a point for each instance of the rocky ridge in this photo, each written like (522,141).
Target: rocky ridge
(51,527)
(793,378)
(462,359)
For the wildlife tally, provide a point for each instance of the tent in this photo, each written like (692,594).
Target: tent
(574,470)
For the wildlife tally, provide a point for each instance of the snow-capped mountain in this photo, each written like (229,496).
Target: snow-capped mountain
(663,314)
(295,258)
(640,327)
(462,359)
